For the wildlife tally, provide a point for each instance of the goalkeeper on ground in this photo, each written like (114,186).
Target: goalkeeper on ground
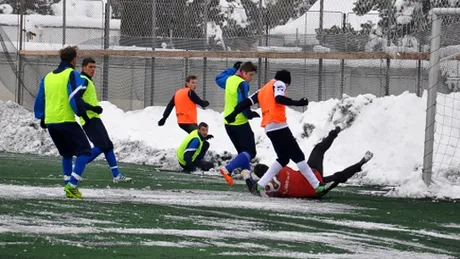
(289,183)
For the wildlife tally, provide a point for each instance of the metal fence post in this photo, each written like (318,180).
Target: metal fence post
(64,18)
(152,68)
(342,61)
(321,42)
(105,71)
(259,32)
(206,39)
(388,68)
(20,59)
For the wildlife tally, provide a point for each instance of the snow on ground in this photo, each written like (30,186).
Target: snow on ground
(392,127)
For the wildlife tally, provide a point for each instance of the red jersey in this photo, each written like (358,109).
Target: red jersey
(292,184)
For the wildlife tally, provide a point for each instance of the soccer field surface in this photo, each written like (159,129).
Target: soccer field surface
(177,215)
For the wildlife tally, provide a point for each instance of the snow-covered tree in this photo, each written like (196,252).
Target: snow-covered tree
(406,21)
(31,6)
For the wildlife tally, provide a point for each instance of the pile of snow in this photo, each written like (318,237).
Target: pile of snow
(392,127)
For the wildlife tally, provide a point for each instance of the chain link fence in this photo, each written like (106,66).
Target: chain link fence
(211,25)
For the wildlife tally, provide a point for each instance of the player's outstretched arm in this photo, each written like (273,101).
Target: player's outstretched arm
(243,105)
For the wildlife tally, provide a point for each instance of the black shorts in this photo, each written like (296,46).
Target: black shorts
(97,134)
(285,146)
(69,138)
(242,138)
(188,127)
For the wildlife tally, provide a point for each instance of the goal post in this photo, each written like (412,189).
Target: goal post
(432,94)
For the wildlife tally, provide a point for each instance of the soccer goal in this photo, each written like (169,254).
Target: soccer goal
(442,130)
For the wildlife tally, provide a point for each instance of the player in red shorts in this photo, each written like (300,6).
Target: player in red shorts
(290,183)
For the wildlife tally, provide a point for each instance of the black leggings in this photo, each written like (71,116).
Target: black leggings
(286,146)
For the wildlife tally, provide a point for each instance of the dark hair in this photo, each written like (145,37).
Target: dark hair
(87,61)
(284,76)
(260,170)
(68,53)
(248,67)
(203,124)
(190,78)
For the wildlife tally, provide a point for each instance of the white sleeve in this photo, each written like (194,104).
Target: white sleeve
(279,88)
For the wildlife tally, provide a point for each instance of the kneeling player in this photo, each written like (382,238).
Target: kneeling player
(289,183)
(191,152)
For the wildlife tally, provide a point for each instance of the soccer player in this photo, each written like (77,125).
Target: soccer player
(185,101)
(58,100)
(235,81)
(272,100)
(289,183)
(94,128)
(191,152)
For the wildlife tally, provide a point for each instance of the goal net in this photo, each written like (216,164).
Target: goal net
(442,133)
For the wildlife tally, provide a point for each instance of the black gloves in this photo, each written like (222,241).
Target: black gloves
(302,102)
(252,115)
(205,104)
(42,123)
(86,118)
(230,118)
(209,136)
(97,109)
(162,121)
(237,65)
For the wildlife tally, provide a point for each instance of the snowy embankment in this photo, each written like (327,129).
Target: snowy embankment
(392,127)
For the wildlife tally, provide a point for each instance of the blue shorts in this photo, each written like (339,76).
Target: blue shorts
(70,139)
(97,134)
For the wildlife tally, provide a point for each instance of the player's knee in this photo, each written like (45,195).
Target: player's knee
(283,161)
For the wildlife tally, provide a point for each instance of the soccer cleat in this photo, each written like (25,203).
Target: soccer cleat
(122,178)
(368,156)
(72,192)
(223,171)
(261,191)
(320,189)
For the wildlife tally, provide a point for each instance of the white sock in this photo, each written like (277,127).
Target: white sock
(271,172)
(308,173)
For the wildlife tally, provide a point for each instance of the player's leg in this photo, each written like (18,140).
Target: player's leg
(317,154)
(98,134)
(347,173)
(78,143)
(59,141)
(296,154)
(188,127)
(278,139)
(243,139)
(204,165)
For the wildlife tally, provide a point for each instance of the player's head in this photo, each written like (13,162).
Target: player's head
(284,76)
(191,81)
(88,66)
(247,71)
(203,129)
(260,169)
(69,54)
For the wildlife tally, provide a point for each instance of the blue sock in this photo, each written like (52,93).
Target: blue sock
(112,160)
(66,168)
(95,152)
(242,160)
(80,164)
